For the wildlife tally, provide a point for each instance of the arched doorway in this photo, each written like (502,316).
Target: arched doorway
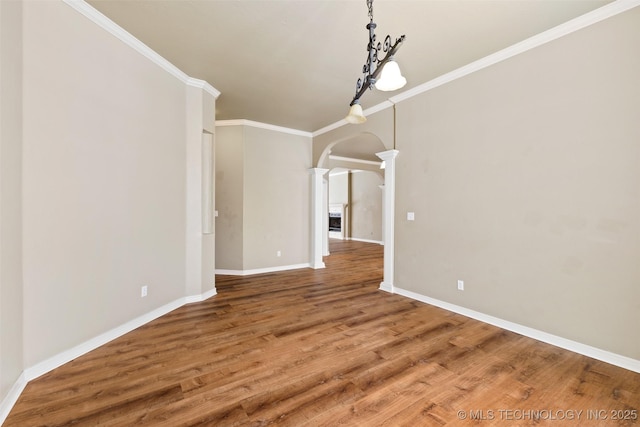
(363,151)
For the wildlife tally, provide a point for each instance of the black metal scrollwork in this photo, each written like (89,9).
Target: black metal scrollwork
(374,64)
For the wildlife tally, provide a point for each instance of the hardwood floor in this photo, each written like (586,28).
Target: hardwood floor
(326,348)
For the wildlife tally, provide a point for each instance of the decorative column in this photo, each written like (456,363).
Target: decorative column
(389,157)
(325,221)
(381,187)
(317,216)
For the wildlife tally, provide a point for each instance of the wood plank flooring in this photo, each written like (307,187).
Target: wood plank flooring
(326,348)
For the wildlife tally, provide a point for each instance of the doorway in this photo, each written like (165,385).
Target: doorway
(364,152)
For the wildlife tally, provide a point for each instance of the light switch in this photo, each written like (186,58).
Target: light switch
(410,216)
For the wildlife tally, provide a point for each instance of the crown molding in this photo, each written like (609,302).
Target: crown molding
(369,111)
(554,33)
(330,127)
(120,33)
(201,84)
(243,122)
(607,11)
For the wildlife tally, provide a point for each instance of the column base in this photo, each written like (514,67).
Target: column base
(317,265)
(387,287)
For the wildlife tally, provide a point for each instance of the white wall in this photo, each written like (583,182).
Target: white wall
(200,171)
(524,179)
(366,206)
(268,169)
(11,313)
(338,188)
(276,198)
(104,181)
(95,200)
(362,197)
(229,196)
(94,193)
(105,190)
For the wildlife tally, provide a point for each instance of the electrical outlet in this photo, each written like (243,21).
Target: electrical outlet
(461,285)
(143,291)
(278,253)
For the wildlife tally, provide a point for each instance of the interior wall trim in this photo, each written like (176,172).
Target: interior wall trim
(244,122)
(583,21)
(66,356)
(201,297)
(262,270)
(574,346)
(357,239)
(12,397)
(369,111)
(354,160)
(607,11)
(107,24)
(60,359)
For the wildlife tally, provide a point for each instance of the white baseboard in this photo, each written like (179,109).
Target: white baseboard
(387,287)
(261,270)
(576,347)
(66,356)
(198,298)
(355,239)
(12,397)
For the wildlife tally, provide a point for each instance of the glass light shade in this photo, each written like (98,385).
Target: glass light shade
(390,78)
(355,115)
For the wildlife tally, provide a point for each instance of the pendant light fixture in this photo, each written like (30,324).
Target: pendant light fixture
(387,68)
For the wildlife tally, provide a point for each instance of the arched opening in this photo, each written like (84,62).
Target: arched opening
(361,156)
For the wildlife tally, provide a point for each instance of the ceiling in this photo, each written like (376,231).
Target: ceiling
(294,63)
